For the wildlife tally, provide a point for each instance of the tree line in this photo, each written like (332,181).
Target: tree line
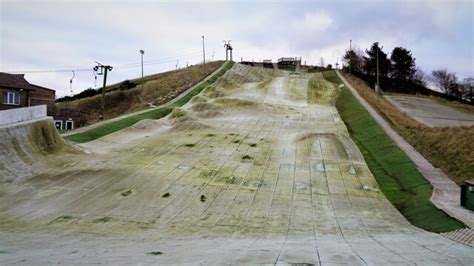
(400,73)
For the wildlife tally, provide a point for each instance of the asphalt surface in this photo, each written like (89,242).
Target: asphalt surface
(431,112)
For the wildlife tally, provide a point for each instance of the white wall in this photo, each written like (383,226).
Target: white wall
(17,115)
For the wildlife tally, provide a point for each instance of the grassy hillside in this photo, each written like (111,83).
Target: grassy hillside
(448,148)
(104,130)
(395,173)
(129,96)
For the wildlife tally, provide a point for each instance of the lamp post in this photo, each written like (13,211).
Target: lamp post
(142,52)
(203,51)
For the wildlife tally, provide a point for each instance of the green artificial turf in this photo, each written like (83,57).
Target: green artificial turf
(394,171)
(104,130)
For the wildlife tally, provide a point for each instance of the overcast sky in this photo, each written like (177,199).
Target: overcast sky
(56,35)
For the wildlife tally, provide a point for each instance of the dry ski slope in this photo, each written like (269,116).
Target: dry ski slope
(259,168)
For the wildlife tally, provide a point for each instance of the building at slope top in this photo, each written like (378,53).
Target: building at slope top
(17,92)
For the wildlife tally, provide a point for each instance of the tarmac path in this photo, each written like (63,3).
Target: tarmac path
(431,112)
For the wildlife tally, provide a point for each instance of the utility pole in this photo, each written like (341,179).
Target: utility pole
(203,51)
(141,94)
(350,56)
(103,69)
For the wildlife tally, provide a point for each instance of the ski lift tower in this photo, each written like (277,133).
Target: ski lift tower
(228,47)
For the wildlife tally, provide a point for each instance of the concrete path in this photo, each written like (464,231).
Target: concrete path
(446,193)
(108,121)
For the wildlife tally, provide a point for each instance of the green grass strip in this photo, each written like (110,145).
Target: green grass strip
(107,129)
(394,171)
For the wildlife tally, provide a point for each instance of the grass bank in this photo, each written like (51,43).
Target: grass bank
(395,173)
(104,130)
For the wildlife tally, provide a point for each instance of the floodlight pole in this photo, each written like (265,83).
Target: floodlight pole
(203,51)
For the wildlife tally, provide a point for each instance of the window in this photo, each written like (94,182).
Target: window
(11,97)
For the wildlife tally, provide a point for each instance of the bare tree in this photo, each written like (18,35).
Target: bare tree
(467,88)
(420,77)
(447,82)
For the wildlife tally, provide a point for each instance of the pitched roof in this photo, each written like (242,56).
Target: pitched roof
(17,81)
(39,87)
